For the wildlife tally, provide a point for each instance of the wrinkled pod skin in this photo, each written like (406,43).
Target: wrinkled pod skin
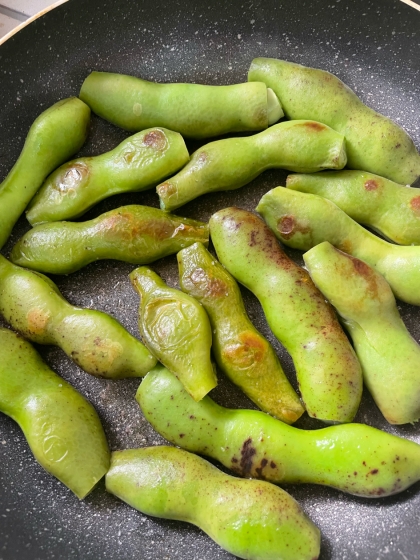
(251,519)
(327,370)
(374,143)
(302,220)
(56,135)
(62,429)
(134,234)
(176,329)
(241,352)
(353,458)
(138,163)
(194,110)
(391,209)
(228,164)
(390,357)
(95,341)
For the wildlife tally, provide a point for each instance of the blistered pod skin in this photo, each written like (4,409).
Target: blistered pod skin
(353,458)
(390,357)
(138,163)
(134,234)
(251,519)
(328,372)
(56,135)
(175,327)
(194,110)
(95,341)
(63,430)
(302,220)
(391,209)
(374,143)
(241,352)
(303,146)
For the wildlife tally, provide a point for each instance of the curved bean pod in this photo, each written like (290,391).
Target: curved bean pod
(241,352)
(95,341)
(134,234)
(231,163)
(374,143)
(389,356)
(57,134)
(299,221)
(353,458)
(328,372)
(391,209)
(63,430)
(249,518)
(137,164)
(194,110)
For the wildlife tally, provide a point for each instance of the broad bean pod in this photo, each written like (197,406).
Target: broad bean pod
(95,341)
(134,234)
(231,163)
(63,430)
(251,519)
(374,142)
(353,458)
(194,110)
(327,369)
(389,355)
(241,352)
(138,163)
(303,220)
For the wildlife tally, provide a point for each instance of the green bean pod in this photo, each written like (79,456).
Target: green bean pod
(327,370)
(251,519)
(374,143)
(353,458)
(231,163)
(303,220)
(63,430)
(57,134)
(389,356)
(138,163)
(241,352)
(134,234)
(390,209)
(175,327)
(95,341)
(194,110)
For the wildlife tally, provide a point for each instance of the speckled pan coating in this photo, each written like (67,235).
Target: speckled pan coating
(372,47)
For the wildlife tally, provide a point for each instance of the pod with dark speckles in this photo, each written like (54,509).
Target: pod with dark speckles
(63,429)
(327,369)
(251,519)
(353,458)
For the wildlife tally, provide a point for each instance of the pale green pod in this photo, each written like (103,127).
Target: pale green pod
(194,110)
(56,135)
(231,163)
(389,356)
(328,372)
(353,458)
(241,352)
(138,163)
(374,143)
(176,329)
(391,209)
(303,220)
(95,341)
(63,429)
(251,519)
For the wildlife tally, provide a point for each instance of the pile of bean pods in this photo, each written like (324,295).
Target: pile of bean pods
(350,281)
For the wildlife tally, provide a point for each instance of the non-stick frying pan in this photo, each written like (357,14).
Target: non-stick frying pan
(372,45)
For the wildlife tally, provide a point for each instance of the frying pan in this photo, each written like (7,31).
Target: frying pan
(373,47)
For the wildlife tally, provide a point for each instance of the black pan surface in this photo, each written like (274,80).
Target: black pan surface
(374,47)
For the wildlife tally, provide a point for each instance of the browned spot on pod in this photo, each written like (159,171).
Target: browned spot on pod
(248,351)
(247,454)
(166,189)
(415,205)
(371,185)
(315,126)
(125,225)
(155,139)
(37,320)
(71,177)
